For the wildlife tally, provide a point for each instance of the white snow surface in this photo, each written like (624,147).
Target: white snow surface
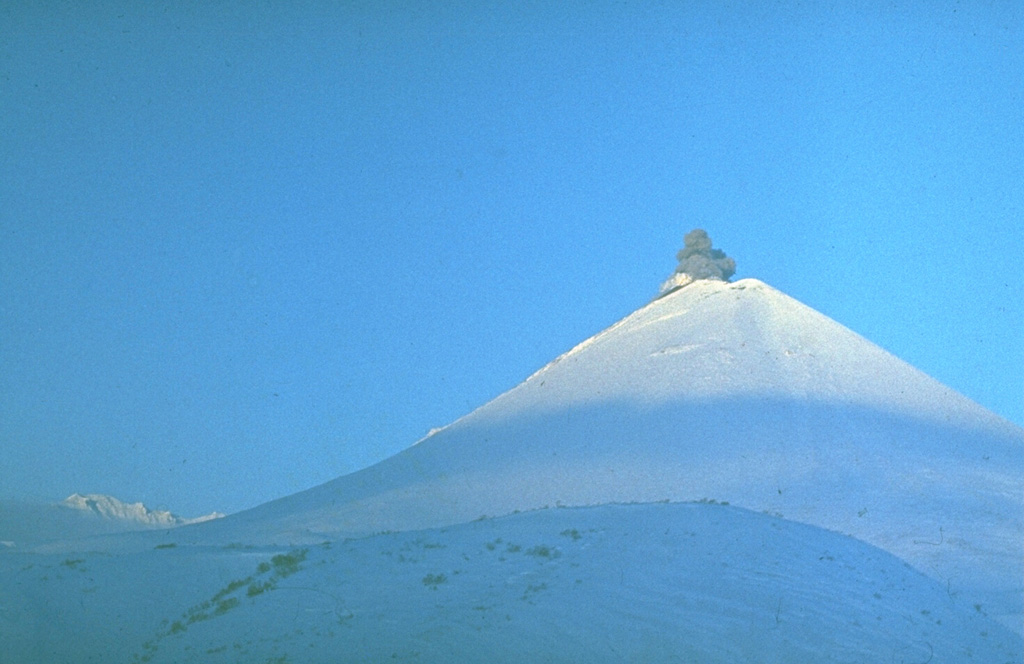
(616,583)
(874,515)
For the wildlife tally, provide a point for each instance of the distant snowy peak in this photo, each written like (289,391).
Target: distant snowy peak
(109,507)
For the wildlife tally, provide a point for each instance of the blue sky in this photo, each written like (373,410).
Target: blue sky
(248,247)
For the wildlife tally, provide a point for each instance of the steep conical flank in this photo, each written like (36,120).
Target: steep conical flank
(732,392)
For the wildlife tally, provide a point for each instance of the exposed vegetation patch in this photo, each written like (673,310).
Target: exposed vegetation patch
(432,581)
(542,551)
(197,614)
(286,564)
(260,587)
(531,591)
(226,605)
(227,598)
(230,588)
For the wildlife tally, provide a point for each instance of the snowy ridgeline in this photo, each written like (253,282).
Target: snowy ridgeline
(77,517)
(697,582)
(111,508)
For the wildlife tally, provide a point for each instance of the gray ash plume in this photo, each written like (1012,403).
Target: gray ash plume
(697,260)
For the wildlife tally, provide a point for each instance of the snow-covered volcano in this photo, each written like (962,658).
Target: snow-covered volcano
(715,393)
(732,392)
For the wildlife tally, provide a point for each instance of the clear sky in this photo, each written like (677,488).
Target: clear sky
(247,247)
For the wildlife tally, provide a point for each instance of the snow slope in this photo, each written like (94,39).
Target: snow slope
(643,583)
(726,391)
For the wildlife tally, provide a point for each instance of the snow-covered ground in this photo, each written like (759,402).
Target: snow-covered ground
(651,583)
(874,515)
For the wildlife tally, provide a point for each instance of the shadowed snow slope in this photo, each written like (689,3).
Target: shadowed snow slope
(726,391)
(616,583)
